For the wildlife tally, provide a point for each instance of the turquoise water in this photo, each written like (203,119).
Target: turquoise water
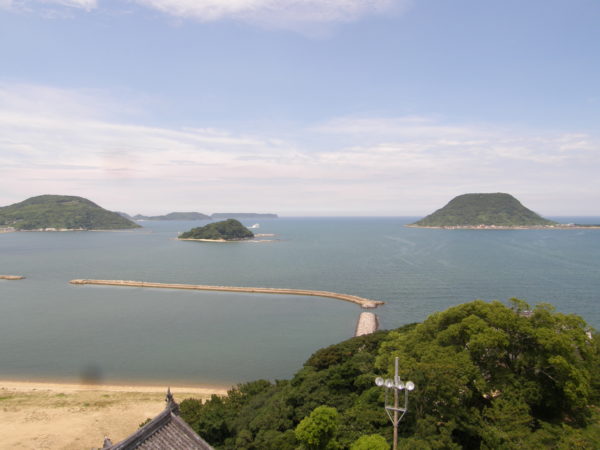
(50,329)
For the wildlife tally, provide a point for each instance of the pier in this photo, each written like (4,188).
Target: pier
(363,302)
(367,324)
(11,277)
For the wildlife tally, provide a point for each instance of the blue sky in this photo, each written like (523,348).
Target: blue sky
(301,107)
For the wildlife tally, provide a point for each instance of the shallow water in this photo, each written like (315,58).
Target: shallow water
(51,329)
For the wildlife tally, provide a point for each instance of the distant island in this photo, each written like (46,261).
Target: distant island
(200,216)
(244,216)
(175,216)
(226,230)
(497,210)
(60,213)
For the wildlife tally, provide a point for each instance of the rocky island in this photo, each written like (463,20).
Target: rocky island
(60,213)
(496,210)
(224,231)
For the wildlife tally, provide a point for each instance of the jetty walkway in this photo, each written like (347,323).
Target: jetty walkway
(367,324)
(363,302)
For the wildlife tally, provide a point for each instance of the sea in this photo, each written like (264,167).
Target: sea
(51,330)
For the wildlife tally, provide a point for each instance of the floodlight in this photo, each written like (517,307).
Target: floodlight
(394,410)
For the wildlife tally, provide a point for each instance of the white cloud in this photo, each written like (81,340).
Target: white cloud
(77,142)
(88,5)
(312,17)
(27,5)
(274,12)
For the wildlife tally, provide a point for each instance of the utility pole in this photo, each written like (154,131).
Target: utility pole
(393,411)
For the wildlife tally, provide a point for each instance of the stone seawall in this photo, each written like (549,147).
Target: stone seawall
(364,302)
(367,324)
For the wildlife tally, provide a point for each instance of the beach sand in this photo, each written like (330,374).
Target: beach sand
(74,416)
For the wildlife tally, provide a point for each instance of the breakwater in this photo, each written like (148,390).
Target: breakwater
(363,302)
(367,323)
(11,277)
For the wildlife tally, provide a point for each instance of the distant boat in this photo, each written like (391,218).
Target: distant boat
(255,226)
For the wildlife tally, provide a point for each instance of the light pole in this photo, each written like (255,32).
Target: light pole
(393,410)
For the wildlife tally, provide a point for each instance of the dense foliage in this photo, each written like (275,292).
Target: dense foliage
(61,212)
(175,216)
(487,376)
(229,230)
(483,209)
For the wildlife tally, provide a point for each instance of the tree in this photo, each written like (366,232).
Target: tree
(487,376)
(491,374)
(317,431)
(370,442)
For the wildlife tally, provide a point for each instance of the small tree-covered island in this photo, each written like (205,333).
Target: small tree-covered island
(60,213)
(489,210)
(226,230)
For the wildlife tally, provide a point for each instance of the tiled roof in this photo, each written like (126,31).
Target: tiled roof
(167,431)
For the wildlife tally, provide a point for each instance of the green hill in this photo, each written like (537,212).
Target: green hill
(471,210)
(61,212)
(228,230)
(487,376)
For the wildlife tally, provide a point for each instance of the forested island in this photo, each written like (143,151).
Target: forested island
(175,216)
(226,230)
(497,210)
(61,212)
(200,216)
(487,375)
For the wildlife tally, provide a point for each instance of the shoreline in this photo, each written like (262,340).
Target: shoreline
(214,240)
(62,387)
(72,416)
(63,230)
(502,227)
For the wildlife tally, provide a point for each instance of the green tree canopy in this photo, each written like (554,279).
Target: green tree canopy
(318,430)
(487,375)
(490,374)
(229,230)
(370,442)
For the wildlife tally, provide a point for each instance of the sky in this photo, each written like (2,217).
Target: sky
(301,107)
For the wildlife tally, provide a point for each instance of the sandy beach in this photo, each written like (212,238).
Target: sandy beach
(39,415)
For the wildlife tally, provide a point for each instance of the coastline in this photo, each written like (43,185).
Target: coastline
(214,240)
(502,227)
(62,230)
(204,240)
(59,386)
(71,416)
